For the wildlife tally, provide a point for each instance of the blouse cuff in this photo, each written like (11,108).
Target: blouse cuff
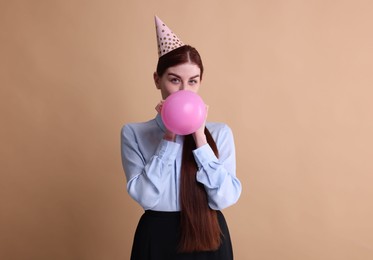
(203,155)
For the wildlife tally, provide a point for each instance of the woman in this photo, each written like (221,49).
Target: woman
(182,182)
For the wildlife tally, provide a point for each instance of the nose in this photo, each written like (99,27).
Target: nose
(184,87)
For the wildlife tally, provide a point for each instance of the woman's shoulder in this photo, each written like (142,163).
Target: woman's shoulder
(218,127)
(139,126)
(220,132)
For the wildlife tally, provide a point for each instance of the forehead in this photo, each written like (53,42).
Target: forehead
(184,70)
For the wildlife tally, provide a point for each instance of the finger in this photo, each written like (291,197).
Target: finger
(158,107)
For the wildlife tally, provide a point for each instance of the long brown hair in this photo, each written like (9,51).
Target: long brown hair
(200,230)
(199,227)
(178,56)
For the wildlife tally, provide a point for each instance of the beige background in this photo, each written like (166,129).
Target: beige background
(293,79)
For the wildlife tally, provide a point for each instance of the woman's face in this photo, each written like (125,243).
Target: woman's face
(186,76)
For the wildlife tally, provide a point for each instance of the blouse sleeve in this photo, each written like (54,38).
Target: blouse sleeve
(219,175)
(146,179)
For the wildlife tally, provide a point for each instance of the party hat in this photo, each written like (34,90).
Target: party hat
(167,40)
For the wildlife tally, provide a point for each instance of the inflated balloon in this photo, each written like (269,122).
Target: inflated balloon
(183,112)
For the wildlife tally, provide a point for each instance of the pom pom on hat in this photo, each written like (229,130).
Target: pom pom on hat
(166,39)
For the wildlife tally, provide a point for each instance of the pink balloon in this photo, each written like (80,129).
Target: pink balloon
(183,112)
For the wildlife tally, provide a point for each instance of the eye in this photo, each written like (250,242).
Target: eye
(175,80)
(193,81)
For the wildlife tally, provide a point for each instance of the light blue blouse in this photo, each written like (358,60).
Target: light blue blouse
(152,166)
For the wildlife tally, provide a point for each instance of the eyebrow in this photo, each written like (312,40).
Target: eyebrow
(175,75)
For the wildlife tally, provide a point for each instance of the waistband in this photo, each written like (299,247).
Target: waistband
(168,213)
(162,213)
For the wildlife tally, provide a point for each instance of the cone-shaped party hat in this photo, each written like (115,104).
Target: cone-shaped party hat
(166,39)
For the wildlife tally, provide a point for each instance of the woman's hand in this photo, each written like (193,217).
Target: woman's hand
(158,107)
(169,136)
(199,136)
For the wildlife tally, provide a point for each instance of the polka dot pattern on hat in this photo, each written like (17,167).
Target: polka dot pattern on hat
(167,40)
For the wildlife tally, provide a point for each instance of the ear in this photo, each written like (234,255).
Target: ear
(156,80)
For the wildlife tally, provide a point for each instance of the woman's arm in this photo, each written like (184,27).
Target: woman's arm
(146,180)
(219,175)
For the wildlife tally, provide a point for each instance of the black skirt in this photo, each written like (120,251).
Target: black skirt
(156,238)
